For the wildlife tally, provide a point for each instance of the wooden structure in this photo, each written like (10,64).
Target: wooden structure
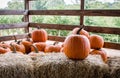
(82,12)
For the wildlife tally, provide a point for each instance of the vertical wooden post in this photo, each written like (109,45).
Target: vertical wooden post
(26,17)
(82,15)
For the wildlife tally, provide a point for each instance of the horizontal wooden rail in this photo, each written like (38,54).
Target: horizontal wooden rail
(76,12)
(13,12)
(107,30)
(11,37)
(12,26)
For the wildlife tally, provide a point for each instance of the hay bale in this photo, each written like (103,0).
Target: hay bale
(114,67)
(57,65)
(16,66)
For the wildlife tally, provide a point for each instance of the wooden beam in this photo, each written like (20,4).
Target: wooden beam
(82,16)
(55,12)
(11,37)
(13,12)
(112,45)
(96,29)
(76,12)
(12,26)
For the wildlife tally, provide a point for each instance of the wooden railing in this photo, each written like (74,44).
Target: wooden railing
(81,13)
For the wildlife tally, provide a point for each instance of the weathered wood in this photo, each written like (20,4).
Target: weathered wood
(11,37)
(12,26)
(101,12)
(13,12)
(55,12)
(76,12)
(82,16)
(112,45)
(97,29)
(56,38)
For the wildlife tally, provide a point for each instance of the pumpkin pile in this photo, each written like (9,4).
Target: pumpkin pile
(76,46)
(80,43)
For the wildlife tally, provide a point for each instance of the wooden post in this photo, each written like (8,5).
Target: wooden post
(26,16)
(82,15)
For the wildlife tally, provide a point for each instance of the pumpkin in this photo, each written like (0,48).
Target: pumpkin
(4,50)
(96,42)
(100,52)
(39,35)
(35,52)
(76,47)
(19,46)
(40,45)
(80,31)
(53,48)
(27,44)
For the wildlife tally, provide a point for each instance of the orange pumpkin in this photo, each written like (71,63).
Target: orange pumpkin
(53,48)
(4,50)
(100,52)
(39,35)
(19,47)
(40,45)
(76,47)
(80,31)
(35,52)
(96,42)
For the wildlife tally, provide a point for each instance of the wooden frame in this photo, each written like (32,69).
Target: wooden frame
(82,13)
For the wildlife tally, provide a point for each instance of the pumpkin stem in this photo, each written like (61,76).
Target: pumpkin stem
(38,27)
(15,38)
(35,48)
(80,29)
(14,49)
(28,37)
(56,42)
(18,42)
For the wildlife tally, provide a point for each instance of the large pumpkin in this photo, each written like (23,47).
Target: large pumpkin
(80,31)
(39,35)
(76,47)
(96,42)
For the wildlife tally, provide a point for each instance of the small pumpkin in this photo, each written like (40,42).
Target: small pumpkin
(4,50)
(35,52)
(19,47)
(96,42)
(76,47)
(80,31)
(100,52)
(40,45)
(53,48)
(27,44)
(39,35)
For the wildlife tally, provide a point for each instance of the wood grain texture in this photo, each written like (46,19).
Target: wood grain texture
(13,12)
(96,29)
(12,26)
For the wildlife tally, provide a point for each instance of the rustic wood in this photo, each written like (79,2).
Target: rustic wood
(11,37)
(82,16)
(56,38)
(97,29)
(13,12)
(112,45)
(26,17)
(12,26)
(55,12)
(76,12)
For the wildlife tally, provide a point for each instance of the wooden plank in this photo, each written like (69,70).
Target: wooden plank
(12,26)
(56,38)
(13,12)
(55,12)
(82,16)
(107,30)
(112,45)
(97,29)
(101,12)
(76,12)
(11,37)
